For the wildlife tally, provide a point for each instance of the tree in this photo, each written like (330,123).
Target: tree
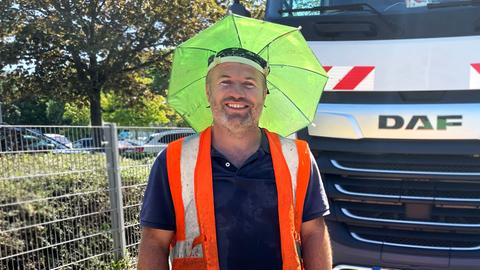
(26,111)
(148,110)
(76,114)
(34,111)
(256,8)
(77,49)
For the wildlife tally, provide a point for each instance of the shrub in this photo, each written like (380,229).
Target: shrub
(55,209)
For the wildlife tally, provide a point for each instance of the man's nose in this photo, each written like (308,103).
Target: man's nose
(236,90)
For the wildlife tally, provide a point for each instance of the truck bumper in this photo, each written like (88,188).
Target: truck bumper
(351,254)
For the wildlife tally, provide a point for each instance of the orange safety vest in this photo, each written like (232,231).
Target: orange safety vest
(190,177)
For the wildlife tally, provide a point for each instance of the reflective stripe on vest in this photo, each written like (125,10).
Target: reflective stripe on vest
(189,161)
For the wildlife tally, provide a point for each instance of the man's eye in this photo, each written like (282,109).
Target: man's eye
(249,85)
(226,82)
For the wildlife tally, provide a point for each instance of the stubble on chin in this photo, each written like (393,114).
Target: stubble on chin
(235,124)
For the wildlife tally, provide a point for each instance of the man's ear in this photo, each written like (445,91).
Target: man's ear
(266,91)
(207,93)
(207,90)
(207,85)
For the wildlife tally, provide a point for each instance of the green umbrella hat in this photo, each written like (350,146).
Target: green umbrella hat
(295,79)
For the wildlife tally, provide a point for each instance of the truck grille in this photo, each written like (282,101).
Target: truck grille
(396,214)
(423,240)
(411,164)
(416,201)
(425,189)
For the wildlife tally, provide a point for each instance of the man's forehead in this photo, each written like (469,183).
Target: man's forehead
(235,69)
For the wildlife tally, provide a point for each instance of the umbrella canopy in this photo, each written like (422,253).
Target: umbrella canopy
(295,82)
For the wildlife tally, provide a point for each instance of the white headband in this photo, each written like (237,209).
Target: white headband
(238,59)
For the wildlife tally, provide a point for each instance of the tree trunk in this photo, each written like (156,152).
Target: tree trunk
(96,119)
(95,108)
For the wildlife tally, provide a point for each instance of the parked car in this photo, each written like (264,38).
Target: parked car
(159,141)
(131,149)
(88,144)
(126,146)
(60,138)
(14,139)
(83,143)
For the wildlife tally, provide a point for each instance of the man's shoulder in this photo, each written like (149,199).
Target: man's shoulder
(292,140)
(188,145)
(190,142)
(161,160)
(185,139)
(191,137)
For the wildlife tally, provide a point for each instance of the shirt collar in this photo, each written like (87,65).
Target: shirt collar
(263,149)
(264,143)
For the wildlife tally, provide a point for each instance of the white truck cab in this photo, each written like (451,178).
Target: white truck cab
(397,130)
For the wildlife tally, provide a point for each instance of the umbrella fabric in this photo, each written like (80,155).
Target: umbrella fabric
(295,81)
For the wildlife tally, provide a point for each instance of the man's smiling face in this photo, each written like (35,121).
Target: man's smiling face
(236,93)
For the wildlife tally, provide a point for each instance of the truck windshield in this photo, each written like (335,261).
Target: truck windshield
(329,7)
(374,19)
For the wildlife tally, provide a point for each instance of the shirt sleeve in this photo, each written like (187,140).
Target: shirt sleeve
(316,202)
(157,209)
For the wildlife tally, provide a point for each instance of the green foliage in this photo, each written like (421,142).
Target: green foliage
(55,111)
(27,179)
(146,111)
(74,50)
(71,49)
(26,111)
(76,114)
(256,7)
(33,111)
(128,263)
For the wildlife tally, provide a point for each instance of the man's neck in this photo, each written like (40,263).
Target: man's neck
(237,147)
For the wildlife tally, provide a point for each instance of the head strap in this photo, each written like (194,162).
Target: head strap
(239,55)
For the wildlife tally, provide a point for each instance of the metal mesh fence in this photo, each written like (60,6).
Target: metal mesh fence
(70,196)
(135,162)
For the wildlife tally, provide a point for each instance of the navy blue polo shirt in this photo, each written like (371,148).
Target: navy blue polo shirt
(245,202)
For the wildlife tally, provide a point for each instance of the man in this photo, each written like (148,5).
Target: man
(244,212)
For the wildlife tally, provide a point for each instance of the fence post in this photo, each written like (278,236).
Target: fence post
(115,191)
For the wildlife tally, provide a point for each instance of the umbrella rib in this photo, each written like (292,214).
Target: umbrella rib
(291,101)
(236,29)
(185,87)
(275,39)
(198,48)
(306,69)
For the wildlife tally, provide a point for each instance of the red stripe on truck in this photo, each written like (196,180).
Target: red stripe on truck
(476,67)
(353,78)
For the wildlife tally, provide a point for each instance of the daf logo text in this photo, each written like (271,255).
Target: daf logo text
(420,122)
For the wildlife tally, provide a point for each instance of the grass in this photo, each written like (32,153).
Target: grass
(62,202)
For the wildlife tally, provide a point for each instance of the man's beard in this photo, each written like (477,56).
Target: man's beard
(235,122)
